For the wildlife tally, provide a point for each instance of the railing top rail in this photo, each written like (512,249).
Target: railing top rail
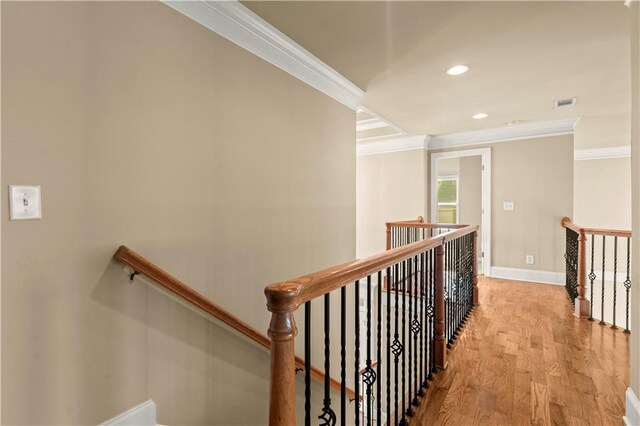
(426,225)
(419,219)
(566,223)
(286,296)
(192,297)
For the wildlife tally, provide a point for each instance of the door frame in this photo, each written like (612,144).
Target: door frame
(485,155)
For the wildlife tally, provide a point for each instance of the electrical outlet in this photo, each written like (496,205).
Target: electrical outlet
(530,259)
(508,205)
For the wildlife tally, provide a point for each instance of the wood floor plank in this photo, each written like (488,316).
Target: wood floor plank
(523,358)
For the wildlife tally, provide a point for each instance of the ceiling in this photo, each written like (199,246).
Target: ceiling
(522,56)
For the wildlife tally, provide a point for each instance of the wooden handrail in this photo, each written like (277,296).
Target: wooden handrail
(168,282)
(289,295)
(566,223)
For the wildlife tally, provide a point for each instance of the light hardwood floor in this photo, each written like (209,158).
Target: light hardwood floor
(523,358)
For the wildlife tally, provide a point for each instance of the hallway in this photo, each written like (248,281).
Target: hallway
(523,358)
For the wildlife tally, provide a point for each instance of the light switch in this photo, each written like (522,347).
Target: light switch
(24,202)
(508,205)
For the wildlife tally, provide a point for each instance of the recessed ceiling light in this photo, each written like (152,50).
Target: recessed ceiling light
(457,70)
(480,115)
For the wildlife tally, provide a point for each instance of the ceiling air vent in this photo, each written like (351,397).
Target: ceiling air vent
(564,102)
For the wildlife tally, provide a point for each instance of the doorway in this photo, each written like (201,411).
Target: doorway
(461,193)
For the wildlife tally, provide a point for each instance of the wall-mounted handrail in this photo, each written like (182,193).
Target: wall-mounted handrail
(425,261)
(168,282)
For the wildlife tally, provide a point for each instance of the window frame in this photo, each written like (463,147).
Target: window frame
(446,177)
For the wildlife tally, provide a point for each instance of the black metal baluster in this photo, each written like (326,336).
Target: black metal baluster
(403,421)
(343,355)
(615,276)
(449,296)
(388,345)
(602,296)
(356,372)
(592,276)
(307,363)
(432,312)
(379,353)
(369,376)
(328,416)
(627,285)
(407,294)
(415,328)
(456,312)
(396,347)
(423,320)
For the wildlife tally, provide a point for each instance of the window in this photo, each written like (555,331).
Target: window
(448,199)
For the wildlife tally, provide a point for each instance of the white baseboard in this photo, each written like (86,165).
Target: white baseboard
(544,277)
(632,416)
(140,415)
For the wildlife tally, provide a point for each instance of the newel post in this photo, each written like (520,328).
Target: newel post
(282,331)
(440,340)
(582,303)
(388,246)
(476,299)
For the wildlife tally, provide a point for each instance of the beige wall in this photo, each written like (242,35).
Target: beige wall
(600,184)
(602,193)
(146,129)
(635,159)
(537,175)
(600,131)
(389,187)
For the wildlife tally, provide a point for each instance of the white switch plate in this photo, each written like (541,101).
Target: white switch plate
(508,205)
(24,202)
(530,259)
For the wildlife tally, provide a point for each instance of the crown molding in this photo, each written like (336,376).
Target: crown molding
(602,153)
(392,145)
(238,24)
(504,134)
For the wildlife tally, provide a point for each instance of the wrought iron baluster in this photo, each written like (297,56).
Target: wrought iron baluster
(369,376)
(415,329)
(343,355)
(592,276)
(431,312)
(403,421)
(615,276)
(379,353)
(396,347)
(356,372)
(388,346)
(604,247)
(307,363)
(423,321)
(408,294)
(328,416)
(627,285)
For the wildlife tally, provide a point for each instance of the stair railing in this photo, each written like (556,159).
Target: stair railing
(407,329)
(588,278)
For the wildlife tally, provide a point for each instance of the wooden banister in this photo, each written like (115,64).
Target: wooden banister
(566,223)
(168,282)
(581,303)
(284,298)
